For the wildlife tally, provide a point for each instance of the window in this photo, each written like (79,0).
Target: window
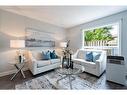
(106,37)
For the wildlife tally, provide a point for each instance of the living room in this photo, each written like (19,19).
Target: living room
(56,28)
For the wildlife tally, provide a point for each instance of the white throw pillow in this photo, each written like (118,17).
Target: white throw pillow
(81,54)
(37,55)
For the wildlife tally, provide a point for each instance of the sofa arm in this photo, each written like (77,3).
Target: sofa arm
(32,63)
(33,60)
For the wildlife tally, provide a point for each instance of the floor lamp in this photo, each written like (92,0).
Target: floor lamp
(18,44)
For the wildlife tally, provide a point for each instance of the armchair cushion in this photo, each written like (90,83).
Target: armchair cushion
(85,63)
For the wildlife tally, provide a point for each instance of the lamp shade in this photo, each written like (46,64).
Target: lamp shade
(17,43)
(63,44)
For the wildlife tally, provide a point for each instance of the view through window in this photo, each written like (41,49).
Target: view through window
(106,37)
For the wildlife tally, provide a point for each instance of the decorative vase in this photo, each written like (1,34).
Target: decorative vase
(71,64)
(20,59)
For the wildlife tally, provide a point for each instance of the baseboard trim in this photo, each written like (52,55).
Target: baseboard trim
(10,72)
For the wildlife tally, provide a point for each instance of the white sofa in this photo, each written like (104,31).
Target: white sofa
(36,65)
(95,68)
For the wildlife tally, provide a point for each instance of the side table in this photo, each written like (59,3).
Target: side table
(19,67)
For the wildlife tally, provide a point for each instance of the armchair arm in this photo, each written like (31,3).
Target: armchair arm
(75,55)
(98,62)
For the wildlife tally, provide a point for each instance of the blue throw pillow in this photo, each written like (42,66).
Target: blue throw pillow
(96,56)
(89,56)
(46,55)
(53,55)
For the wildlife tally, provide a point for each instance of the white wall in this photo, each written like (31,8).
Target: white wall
(75,33)
(12,26)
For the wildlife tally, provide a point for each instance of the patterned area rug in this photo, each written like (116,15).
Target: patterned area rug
(48,81)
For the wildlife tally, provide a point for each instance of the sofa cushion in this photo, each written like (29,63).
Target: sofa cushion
(89,56)
(96,56)
(53,61)
(85,63)
(43,63)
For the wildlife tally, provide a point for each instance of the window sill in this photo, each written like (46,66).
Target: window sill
(101,47)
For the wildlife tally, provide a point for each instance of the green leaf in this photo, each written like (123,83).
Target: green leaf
(98,34)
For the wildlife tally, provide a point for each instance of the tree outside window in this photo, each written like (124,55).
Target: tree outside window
(103,34)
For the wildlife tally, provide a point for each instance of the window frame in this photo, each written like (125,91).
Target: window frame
(119,23)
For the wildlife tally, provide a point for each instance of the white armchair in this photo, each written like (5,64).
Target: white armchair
(95,68)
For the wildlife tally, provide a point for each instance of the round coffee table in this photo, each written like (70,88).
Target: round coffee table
(68,74)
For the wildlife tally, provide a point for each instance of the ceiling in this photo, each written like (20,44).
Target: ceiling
(65,16)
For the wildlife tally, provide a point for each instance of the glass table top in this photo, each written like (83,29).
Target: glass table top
(68,71)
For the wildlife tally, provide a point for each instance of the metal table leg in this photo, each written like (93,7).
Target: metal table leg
(61,78)
(23,74)
(70,80)
(19,69)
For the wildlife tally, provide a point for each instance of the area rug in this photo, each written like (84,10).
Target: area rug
(48,81)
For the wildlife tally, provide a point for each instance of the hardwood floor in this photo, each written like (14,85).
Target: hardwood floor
(6,83)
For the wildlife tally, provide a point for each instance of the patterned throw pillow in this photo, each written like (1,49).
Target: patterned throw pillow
(46,55)
(96,56)
(89,56)
(53,55)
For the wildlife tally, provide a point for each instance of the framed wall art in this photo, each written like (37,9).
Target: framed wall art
(38,38)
